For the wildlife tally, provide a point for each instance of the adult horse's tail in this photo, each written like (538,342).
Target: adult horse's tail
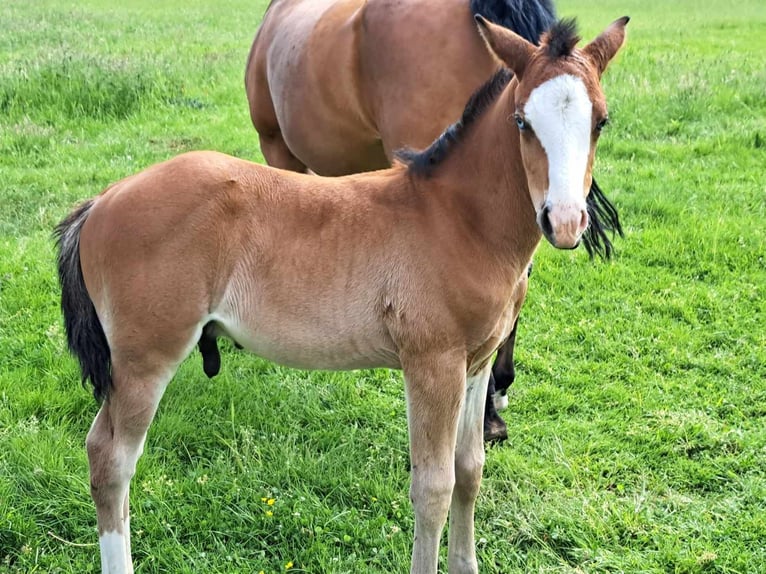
(529,19)
(84,332)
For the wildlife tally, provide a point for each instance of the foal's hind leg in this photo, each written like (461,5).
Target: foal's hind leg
(114,443)
(469,463)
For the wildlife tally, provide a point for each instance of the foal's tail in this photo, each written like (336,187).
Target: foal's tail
(85,335)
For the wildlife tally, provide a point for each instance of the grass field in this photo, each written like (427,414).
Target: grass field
(637,422)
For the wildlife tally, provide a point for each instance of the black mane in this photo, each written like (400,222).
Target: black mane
(604,219)
(528,18)
(561,39)
(422,163)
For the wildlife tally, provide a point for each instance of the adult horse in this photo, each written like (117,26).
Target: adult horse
(414,267)
(336,86)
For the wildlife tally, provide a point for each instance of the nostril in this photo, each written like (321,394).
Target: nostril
(545,221)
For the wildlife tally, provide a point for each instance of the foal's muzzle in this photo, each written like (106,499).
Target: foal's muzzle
(563,225)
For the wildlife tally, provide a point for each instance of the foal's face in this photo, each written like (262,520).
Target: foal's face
(559,113)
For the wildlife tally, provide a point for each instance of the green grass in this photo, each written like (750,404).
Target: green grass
(637,437)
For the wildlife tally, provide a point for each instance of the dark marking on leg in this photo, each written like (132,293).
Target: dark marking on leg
(503,369)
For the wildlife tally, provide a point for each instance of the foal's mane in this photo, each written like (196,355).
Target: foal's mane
(561,39)
(422,163)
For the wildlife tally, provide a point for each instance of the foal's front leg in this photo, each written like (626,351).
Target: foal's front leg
(469,463)
(435,390)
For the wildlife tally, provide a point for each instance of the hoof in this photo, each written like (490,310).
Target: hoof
(495,430)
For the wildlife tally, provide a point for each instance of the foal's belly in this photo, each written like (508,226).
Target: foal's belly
(312,349)
(299,336)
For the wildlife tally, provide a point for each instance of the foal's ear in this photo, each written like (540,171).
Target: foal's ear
(603,49)
(513,50)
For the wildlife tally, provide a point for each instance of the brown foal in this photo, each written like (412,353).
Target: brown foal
(415,267)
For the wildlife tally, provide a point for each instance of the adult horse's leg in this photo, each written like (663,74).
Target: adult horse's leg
(469,462)
(503,374)
(115,442)
(435,392)
(495,428)
(503,370)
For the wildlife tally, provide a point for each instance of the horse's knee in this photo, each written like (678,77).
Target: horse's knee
(431,496)
(113,445)
(468,471)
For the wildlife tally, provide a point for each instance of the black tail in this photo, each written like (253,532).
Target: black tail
(85,335)
(529,19)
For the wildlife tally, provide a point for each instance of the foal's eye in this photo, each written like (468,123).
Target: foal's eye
(600,125)
(520,123)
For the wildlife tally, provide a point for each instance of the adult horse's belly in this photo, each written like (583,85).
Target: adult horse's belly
(334,151)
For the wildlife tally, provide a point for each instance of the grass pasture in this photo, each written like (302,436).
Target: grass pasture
(637,422)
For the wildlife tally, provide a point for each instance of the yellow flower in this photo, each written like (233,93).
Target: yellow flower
(289,565)
(269,513)
(264,499)
(261,572)
(270,501)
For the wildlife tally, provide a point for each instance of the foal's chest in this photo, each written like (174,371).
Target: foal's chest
(479,356)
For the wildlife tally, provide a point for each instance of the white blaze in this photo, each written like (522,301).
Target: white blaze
(559,111)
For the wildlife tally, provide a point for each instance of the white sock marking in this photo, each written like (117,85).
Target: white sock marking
(500,400)
(114,559)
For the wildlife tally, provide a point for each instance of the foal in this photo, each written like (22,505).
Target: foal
(415,267)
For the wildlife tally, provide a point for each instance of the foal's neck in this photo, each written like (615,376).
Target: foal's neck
(485,181)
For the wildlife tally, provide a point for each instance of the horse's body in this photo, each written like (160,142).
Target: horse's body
(416,267)
(337,86)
